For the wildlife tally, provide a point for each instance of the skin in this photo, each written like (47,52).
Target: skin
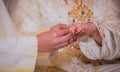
(57,37)
(86,28)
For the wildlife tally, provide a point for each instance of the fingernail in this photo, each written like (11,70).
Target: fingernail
(76,31)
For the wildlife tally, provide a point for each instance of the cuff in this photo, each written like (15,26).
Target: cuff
(90,48)
(28,45)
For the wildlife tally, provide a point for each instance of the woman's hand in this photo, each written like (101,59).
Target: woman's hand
(82,29)
(57,37)
(86,28)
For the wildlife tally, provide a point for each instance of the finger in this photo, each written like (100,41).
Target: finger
(62,32)
(81,33)
(74,44)
(65,38)
(62,26)
(71,40)
(79,27)
(58,27)
(76,28)
(61,45)
(72,29)
(71,24)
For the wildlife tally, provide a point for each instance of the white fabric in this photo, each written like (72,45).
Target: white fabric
(17,53)
(107,20)
(110,68)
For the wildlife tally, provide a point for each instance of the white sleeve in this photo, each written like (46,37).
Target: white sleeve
(110,48)
(18,53)
(90,48)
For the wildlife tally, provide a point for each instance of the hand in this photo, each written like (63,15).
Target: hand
(73,30)
(57,37)
(82,29)
(87,28)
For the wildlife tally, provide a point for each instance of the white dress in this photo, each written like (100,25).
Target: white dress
(32,16)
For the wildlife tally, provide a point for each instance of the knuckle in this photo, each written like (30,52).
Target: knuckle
(55,48)
(57,33)
(69,36)
(67,43)
(66,31)
(54,34)
(55,41)
(59,24)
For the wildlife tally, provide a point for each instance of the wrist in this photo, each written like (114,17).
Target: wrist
(40,41)
(93,29)
(96,35)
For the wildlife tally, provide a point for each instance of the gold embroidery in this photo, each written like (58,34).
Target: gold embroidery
(80,11)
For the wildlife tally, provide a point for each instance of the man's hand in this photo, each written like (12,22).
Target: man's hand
(57,37)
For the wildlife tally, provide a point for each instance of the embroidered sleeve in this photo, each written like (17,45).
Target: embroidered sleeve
(109,28)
